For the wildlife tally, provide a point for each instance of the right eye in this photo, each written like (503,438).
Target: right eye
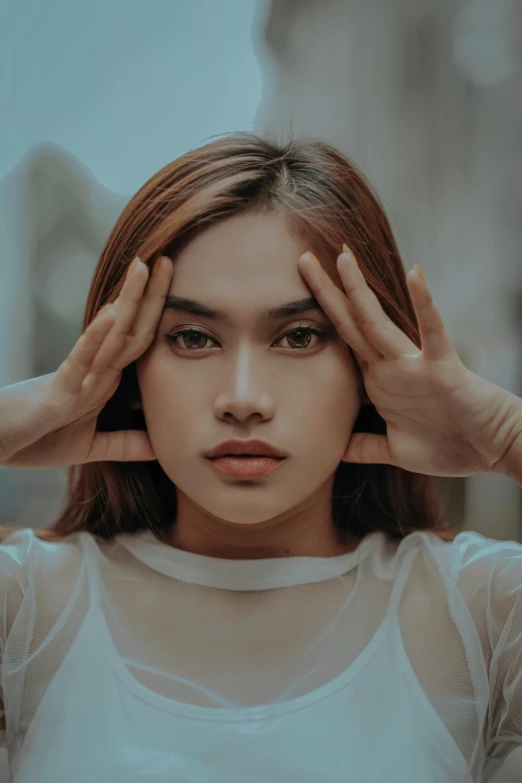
(182,332)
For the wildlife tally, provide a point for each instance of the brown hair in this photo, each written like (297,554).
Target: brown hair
(325,201)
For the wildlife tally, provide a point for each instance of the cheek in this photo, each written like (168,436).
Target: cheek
(338,385)
(331,409)
(171,406)
(323,411)
(160,393)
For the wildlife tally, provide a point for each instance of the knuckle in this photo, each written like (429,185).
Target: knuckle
(365,321)
(350,288)
(147,336)
(342,326)
(117,343)
(141,342)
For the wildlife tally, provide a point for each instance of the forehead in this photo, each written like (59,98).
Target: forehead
(246,255)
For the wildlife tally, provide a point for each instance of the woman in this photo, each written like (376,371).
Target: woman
(302,614)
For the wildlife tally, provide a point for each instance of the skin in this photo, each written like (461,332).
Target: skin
(247,381)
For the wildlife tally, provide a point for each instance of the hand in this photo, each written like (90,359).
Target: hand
(442,419)
(50,421)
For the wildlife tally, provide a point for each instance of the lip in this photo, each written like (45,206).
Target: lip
(246,467)
(256,448)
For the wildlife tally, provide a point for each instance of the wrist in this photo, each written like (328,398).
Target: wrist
(511,462)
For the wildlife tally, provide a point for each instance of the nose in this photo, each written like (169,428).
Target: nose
(245,393)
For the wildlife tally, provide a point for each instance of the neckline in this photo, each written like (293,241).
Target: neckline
(229,574)
(230,714)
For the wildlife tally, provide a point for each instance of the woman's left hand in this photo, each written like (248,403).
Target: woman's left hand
(442,419)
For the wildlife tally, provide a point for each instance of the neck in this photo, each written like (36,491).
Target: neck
(223,544)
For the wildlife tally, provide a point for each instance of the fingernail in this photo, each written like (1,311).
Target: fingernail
(132,267)
(311,256)
(419,272)
(348,252)
(102,310)
(156,267)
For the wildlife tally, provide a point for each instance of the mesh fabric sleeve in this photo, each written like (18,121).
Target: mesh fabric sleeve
(43,598)
(491,580)
(15,600)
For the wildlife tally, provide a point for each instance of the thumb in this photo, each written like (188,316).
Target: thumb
(367,448)
(121,446)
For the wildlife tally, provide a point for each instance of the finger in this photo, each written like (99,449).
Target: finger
(335,306)
(74,369)
(376,326)
(436,343)
(121,446)
(149,315)
(125,307)
(368,449)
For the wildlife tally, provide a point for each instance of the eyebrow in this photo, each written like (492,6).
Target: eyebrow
(181,304)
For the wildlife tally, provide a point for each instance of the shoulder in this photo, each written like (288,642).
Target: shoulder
(473,566)
(42,580)
(24,555)
(24,541)
(481,557)
(482,574)
(469,551)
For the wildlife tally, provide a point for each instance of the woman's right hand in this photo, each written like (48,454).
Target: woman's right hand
(50,421)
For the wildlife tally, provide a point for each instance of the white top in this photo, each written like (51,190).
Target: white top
(130,660)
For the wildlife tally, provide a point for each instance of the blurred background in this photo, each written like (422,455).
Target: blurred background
(426,98)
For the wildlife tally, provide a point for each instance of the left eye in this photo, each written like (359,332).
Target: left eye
(301,332)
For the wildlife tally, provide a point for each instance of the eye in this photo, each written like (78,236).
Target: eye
(299,334)
(303,333)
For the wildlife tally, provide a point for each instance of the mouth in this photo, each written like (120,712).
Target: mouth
(246,465)
(246,448)
(249,456)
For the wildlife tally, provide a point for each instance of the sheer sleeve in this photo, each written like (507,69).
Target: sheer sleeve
(44,594)
(491,579)
(15,601)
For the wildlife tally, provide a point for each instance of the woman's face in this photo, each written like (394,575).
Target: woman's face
(244,377)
